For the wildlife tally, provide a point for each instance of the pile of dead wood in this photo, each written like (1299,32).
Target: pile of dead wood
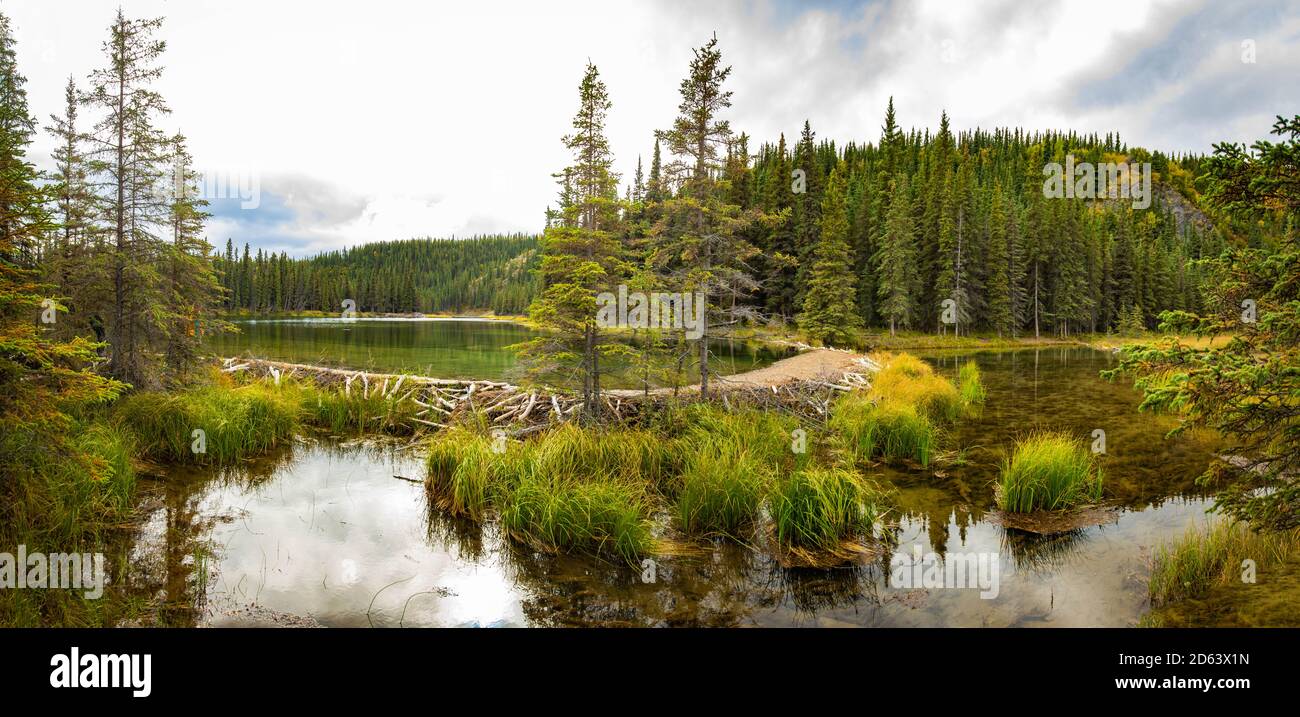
(443,402)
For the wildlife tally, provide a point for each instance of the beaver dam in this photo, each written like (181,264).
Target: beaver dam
(804,383)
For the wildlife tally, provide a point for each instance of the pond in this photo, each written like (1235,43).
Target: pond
(329,533)
(461,348)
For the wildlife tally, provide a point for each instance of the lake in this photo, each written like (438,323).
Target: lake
(462,348)
(329,533)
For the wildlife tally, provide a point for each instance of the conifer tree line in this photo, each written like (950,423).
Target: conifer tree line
(894,228)
(113,236)
(871,236)
(494,273)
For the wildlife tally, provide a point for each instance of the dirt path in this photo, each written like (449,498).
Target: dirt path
(812,365)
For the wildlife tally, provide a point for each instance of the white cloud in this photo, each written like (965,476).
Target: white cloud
(400,119)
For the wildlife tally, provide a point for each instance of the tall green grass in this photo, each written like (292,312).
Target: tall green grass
(572,453)
(603,517)
(568,490)
(721,492)
(890,429)
(63,494)
(712,471)
(900,416)
(1205,557)
(970,385)
(464,472)
(908,380)
(820,507)
(236,422)
(340,412)
(1048,471)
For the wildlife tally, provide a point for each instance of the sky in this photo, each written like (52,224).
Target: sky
(334,124)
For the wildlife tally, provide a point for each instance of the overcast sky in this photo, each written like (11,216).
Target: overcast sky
(365,121)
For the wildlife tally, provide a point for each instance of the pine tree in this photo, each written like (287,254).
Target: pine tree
(829,311)
(193,290)
(932,196)
(896,259)
(806,207)
(655,191)
(582,255)
(76,248)
(1033,230)
(22,215)
(703,243)
(132,151)
(39,375)
(953,256)
(779,257)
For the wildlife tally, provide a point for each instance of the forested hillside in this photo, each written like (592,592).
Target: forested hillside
(970,222)
(424,275)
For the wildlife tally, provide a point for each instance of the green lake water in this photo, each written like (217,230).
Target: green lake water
(442,348)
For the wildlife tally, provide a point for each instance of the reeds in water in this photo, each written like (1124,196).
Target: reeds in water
(1048,471)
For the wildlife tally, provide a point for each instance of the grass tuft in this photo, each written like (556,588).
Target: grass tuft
(236,422)
(909,380)
(970,386)
(890,429)
(1049,471)
(1205,557)
(603,517)
(820,507)
(721,492)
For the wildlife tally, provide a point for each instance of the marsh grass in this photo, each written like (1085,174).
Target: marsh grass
(237,421)
(901,416)
(245,419)
(567,490)
(890,429)
(709,469)
(970,384)
(463,472)
(601,517)
(65,497)
(1213,555)
(729,460)
(821,507)
(1048,471)
(340,412)
(908,380)
(721,492)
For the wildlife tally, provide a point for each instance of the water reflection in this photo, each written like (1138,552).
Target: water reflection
(446,348)
(324,533)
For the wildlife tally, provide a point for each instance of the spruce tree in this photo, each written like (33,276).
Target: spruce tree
(779,258)
(22,215)
(829,311)
(193,290)
(582,256)
(75,255)
(896,259)
(40,375)
(702,245)
(132,151)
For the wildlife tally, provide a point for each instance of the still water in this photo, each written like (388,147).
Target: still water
(443,348)
(323,533)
